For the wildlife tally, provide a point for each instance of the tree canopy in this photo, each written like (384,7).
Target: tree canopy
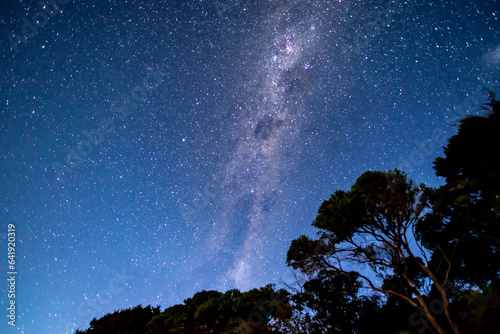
(417,244)
(206,312)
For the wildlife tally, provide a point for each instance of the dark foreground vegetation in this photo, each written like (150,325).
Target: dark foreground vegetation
(391,256)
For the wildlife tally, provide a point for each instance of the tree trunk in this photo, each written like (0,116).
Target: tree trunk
(430,316)
(446,307)
(433,321)
(444,298)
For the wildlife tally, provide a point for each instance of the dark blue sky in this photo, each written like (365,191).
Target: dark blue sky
(152,149)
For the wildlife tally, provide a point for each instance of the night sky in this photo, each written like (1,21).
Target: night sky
(152,149)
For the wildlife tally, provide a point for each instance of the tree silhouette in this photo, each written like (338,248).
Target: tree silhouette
(128,321)
(467,207)
(230,312)
(373,225)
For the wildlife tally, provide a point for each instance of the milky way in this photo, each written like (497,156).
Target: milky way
(175,146)
(258,163)
(263,127)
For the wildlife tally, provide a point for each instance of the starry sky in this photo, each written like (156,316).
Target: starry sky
(152,149)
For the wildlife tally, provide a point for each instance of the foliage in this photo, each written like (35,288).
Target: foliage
(479,309)
(230,312)
(373,226)
(206,312)
(128,321)
(332,299)
(467,207)
(417,241)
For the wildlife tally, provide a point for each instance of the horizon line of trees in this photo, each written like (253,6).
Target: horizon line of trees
(429,258)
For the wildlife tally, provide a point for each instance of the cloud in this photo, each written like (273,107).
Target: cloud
(492,58)
(491,69)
